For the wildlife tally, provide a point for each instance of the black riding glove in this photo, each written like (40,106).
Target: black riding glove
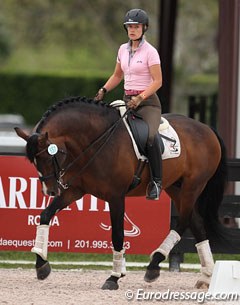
(135,101)
(100,94)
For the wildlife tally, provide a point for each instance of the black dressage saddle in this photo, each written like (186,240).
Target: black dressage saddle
(139,130)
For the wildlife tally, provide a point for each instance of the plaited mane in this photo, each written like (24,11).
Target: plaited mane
(68,102)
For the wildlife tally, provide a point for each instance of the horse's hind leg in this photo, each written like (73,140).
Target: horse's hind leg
(184,199)
(159,255)
(203,249)
(189,217)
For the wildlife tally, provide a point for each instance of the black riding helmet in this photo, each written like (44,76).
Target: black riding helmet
(136,16)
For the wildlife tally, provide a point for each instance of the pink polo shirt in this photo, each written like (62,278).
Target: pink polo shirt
(136,66)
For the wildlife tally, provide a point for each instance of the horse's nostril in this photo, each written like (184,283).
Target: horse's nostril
(51,193)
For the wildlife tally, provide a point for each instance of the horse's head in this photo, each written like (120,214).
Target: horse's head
(48,159)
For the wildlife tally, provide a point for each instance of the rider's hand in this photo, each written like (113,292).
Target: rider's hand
(100,94)
(135,101)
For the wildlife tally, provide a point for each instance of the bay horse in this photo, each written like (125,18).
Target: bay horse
(82,147)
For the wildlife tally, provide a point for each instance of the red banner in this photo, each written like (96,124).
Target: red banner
(82,227)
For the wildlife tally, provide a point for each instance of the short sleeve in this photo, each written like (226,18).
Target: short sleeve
(119,55)
(153,57)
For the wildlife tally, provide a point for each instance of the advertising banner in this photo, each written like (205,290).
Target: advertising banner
(84,226)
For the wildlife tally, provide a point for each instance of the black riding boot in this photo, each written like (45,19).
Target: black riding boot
(155,161)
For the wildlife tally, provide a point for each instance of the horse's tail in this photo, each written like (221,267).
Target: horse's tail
(209,203)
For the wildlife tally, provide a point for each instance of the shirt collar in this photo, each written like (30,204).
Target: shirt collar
(140,44)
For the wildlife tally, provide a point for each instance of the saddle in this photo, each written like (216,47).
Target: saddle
(138,131)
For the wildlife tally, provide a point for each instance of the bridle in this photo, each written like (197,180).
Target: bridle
(59,171)
(56,166)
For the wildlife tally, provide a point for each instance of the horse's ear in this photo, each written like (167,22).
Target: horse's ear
(43,138)
(21,133)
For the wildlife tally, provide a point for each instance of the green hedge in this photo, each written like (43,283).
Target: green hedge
(203,84)
(31,95)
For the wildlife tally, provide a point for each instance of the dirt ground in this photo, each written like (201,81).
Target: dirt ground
(75,287)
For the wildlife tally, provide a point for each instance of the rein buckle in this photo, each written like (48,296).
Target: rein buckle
(65,186)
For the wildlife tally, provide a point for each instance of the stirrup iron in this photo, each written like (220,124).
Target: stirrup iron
(154,189)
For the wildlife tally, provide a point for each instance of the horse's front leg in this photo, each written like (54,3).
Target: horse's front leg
(117,220)
(40,248)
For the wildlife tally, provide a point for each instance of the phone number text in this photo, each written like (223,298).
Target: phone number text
(97,244)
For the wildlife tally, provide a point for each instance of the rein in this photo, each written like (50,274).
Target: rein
(59,174)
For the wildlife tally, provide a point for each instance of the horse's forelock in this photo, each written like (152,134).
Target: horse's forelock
(32,147)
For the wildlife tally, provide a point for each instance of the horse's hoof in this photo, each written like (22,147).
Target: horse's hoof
(151,275)
(110,285)
(43,271)
(201,285)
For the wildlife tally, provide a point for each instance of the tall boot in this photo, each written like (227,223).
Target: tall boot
(155,161)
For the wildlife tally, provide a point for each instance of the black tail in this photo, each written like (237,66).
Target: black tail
(222,240)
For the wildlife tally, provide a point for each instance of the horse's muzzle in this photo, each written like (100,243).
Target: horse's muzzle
(53,192)
(50,190)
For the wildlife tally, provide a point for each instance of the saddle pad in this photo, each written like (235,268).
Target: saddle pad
(172,147)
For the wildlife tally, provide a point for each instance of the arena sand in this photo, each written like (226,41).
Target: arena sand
(76,287)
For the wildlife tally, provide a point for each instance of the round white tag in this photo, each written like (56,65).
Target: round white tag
(52,149)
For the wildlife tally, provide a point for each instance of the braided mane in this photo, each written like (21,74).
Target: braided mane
(68,102)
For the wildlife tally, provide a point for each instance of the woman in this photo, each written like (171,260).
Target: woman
(138,63)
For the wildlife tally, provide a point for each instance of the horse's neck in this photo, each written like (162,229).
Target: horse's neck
(82,126)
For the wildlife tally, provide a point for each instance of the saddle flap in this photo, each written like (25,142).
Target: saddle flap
(139,130)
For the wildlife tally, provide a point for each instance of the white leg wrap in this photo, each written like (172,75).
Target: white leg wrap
(207,263)
(41,242)
(119,263)
(169,242)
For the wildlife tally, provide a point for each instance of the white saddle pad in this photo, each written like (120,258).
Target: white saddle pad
(172,149)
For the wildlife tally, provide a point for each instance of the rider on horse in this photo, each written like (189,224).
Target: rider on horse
(139,63)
